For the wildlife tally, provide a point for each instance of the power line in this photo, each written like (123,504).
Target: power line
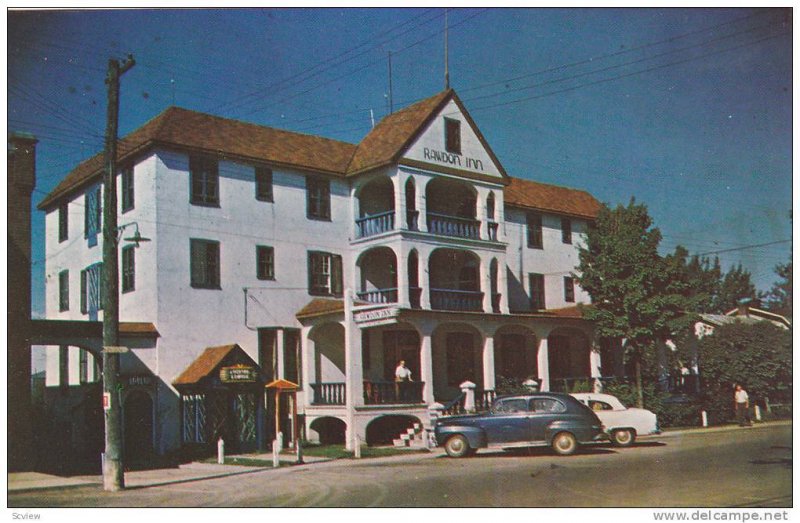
(744,247)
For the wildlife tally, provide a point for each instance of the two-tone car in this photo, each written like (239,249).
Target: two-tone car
(527,420)
(622,424)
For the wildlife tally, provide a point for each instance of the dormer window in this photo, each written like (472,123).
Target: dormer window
(452,136)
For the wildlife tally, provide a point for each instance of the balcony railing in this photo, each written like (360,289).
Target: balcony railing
(379,296)
(328,393)
(454,300)
(375,224)
(391,393)
(414,295)
(454,226)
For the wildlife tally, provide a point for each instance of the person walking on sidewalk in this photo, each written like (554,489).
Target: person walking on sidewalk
(742,406)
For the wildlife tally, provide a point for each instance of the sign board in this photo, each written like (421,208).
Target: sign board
(376,317)
(239,374)
(140,380)
(106,401)
(114,349)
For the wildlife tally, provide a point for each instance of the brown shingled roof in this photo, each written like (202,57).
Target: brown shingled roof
(576,311)
(322,306)
(138,328)
(204,364)
(387,141)
(198,131)
(541,196)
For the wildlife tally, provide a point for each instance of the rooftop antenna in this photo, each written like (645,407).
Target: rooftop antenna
(391,104)
(446,65)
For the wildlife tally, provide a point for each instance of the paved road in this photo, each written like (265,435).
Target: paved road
(740,468)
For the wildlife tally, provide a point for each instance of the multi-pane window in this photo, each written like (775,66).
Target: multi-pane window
(452,135)
(569,289)
(127,189)
(264,184)
(265,262)
(536,285)
(292,362)
(83,366)
(318,198)
(566,230)
(194,418)
(91,215)
(92,289)
(128,268)
(63,222)
(324,274)
(534,230)
(204,264)
(63,291)
(204,172)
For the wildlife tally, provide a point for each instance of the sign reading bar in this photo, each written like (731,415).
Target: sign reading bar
(376,317)
(237,374)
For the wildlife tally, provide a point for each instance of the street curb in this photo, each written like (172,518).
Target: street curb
(721,428)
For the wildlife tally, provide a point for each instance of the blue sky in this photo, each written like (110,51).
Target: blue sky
(687,110)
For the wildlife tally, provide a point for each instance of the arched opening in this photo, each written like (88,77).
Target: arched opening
(375,207)
(491,222)
(457,357)
(451,208)
(494,286)
(455,280)
(385,429)
(515,356)
(569,354)
(378,268)
(330,431)
(383,347)
(138,423)
(414,290)
(411,205)
(328,356)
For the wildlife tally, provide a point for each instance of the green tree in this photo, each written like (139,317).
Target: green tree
(759,356)
(735,286)
(635,292)
(779,298)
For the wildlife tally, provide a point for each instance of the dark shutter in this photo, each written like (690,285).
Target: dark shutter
(84,308)
(336,275)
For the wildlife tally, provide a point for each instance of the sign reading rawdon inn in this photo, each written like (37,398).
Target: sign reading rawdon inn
(238,374)
(375,317)
(452,159)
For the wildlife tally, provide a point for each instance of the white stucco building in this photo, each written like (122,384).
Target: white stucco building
(323,263)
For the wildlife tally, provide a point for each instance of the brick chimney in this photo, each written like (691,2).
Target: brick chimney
(21,182)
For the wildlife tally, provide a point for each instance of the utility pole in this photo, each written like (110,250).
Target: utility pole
(113,473)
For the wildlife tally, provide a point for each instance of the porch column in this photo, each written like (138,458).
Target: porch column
(595,368)
(480,215)
(502,283)
(500,217)
(280,339)
(403,299)
(426,367)
(353,365)
(488,363)
(543,363)
(424,279)
(422,220)
(309,367)
(399,202)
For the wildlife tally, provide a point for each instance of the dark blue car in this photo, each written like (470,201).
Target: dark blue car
(527,420)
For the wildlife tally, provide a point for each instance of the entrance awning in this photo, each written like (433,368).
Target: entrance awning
(226,364)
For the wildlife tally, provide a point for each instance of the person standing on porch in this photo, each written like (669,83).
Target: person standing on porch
(742,405)
(402,375)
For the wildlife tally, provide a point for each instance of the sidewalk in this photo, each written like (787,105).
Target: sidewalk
(30,481)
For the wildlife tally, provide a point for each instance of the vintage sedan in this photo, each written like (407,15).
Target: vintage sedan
(527,420)
(623,424)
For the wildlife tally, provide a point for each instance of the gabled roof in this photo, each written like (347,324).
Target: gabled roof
(544,197)
(389,139)
(206,363)
(182,128)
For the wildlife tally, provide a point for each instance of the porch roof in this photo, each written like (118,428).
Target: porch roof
(323,306)
(207,363)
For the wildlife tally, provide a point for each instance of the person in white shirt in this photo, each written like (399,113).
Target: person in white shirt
(742,405)
(402,375)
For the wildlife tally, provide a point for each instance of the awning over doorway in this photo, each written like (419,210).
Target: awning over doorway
(228,363)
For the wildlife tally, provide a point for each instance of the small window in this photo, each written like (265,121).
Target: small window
(452,136)
(318,198)
(127,189)
(63,291)
(599,405)
(63,222)
(534,231)
(569,289)
(83,366)
(265,263)
(204,173)
(128,268)
(566,230)
(511,405)
(263,184)
(92,289)
(204,264)
(324,274)
(547,405)
(536,287)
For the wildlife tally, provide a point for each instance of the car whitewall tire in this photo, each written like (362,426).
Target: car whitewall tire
(623,437)
(564,444)
(457,446)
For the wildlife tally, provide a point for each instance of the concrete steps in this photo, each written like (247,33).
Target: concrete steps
(412,437)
